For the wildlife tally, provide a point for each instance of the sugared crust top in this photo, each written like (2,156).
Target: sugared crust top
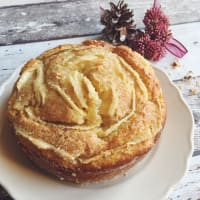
(91,103)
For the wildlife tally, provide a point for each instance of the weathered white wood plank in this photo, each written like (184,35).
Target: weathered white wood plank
(189,35)
(74,18)
(4,3)
(14,55)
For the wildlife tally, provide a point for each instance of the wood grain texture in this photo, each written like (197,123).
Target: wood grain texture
(69,18)
(12,56)
(4,3)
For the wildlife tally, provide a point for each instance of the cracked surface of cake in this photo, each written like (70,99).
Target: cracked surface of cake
(87,112)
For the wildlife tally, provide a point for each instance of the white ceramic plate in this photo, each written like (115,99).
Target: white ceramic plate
(150,179)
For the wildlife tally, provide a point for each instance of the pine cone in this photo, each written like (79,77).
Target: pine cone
(119,23)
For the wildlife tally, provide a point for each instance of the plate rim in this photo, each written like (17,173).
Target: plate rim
(191,142)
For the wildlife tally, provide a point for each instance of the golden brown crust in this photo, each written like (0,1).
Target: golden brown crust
(44,123)
(50,162)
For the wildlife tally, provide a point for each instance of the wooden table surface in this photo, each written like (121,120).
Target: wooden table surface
(28,29)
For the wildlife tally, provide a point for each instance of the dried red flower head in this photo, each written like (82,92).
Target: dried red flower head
(154,50)
(160,33)
(139,42)
(150,49)
(155,17)
(157,24)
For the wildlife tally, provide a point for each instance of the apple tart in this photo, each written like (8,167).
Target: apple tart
(87,112)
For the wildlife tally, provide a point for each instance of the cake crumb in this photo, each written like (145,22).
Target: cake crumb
(175,64)
(193,91)
(188,76)
(125,174)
